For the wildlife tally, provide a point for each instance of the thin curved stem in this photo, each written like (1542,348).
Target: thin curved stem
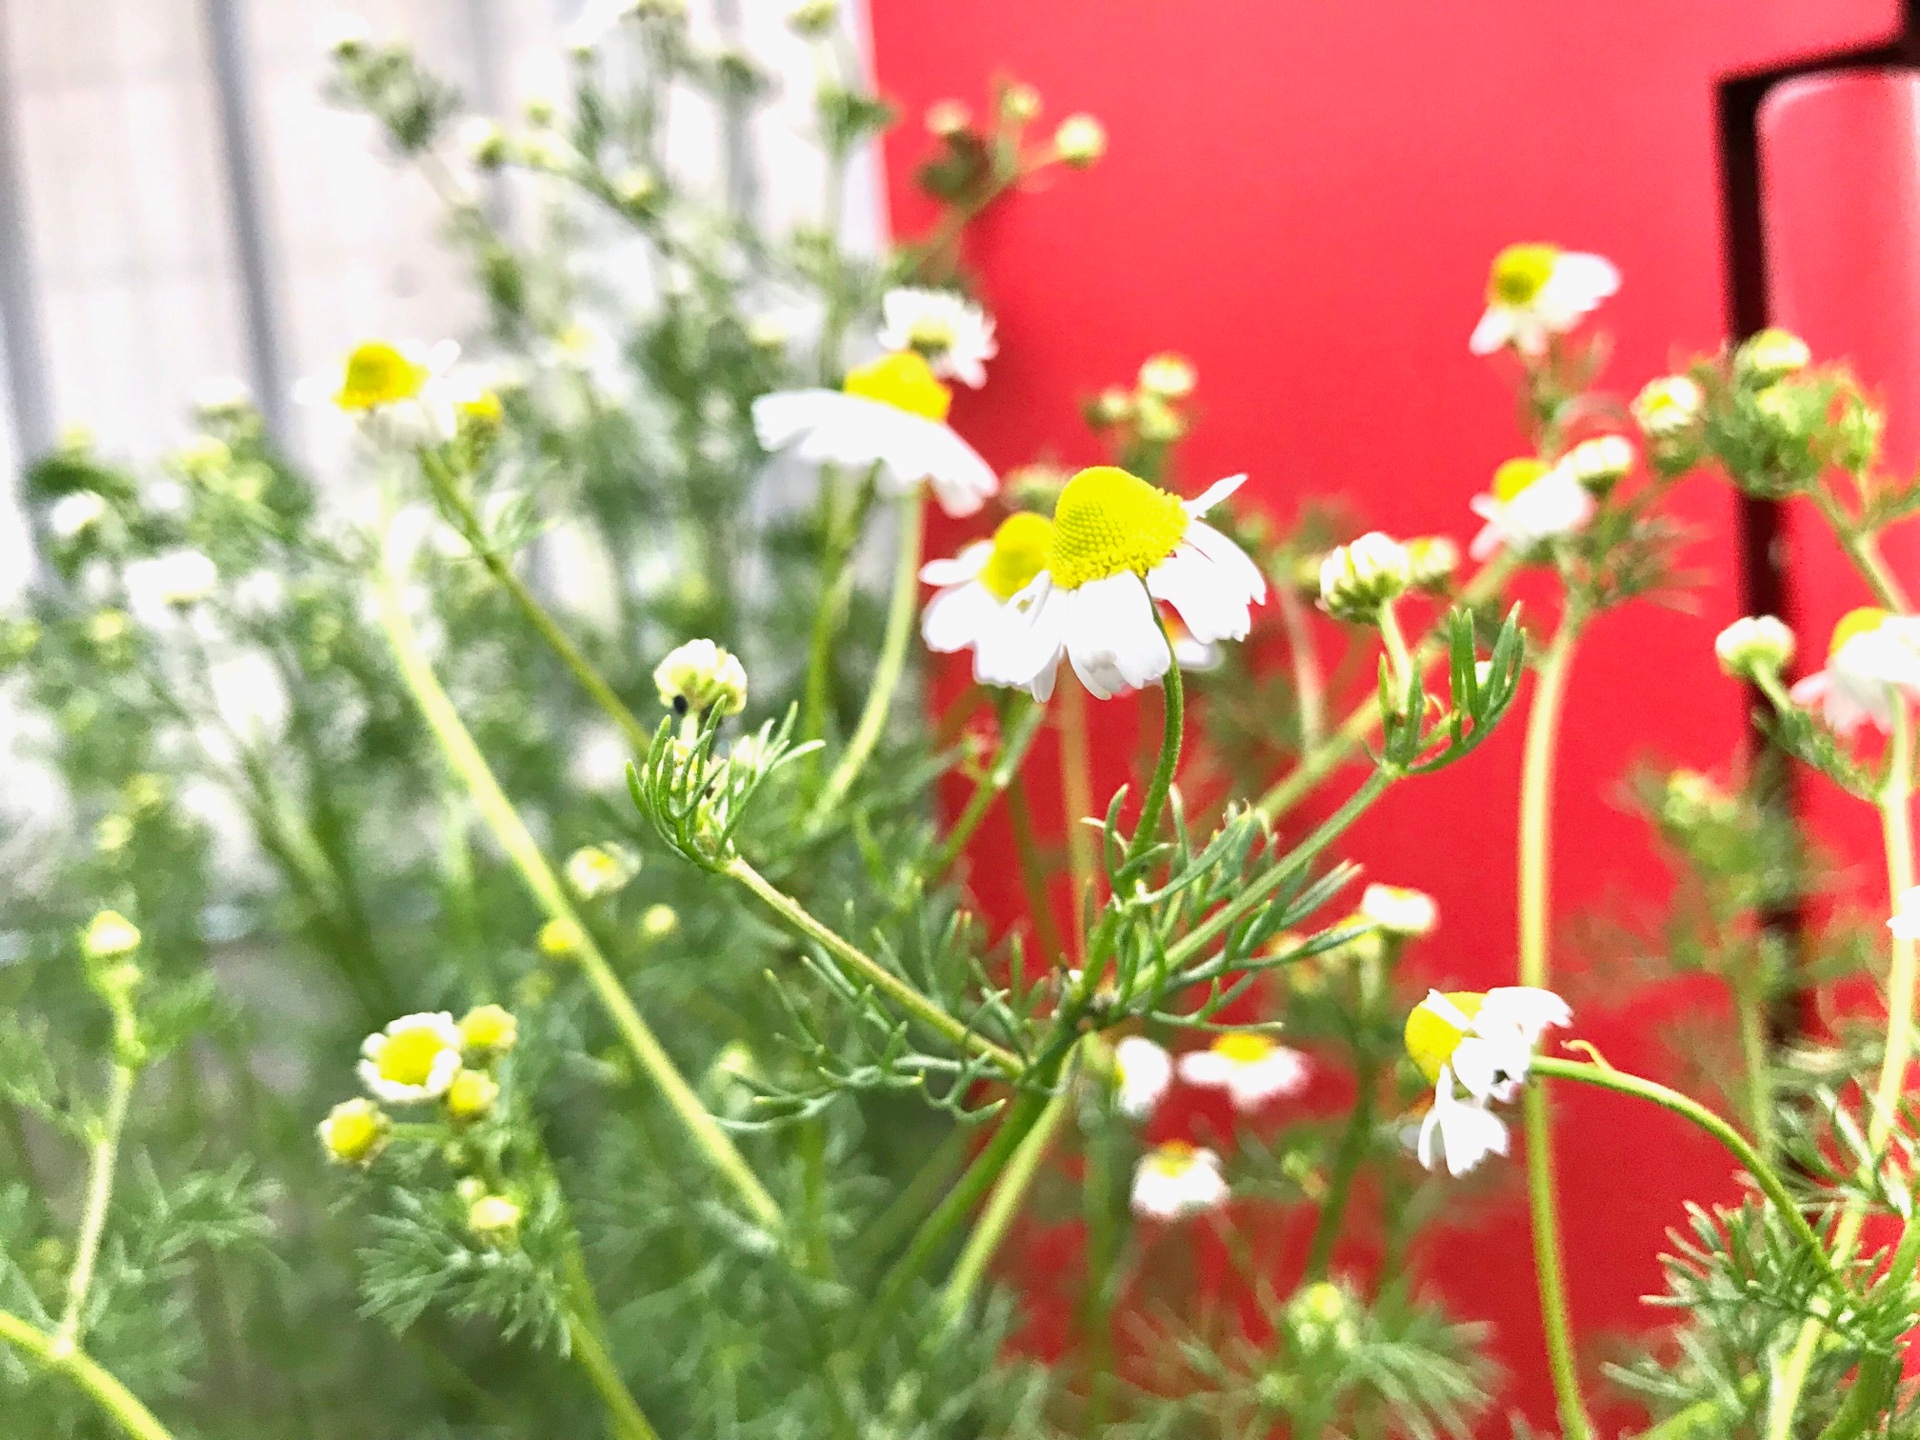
(924,1009)
(1346,1166)
(119,1403)
(1016,738)
(893,662)
(1172,733)
(1896,826)
(470,767)
(994,1221)
(628,1420)
(1076,796)
(1536,871)
(1309,685)
(103,1162)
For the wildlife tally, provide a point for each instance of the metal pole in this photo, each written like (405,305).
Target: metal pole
(33,430)
(232,77)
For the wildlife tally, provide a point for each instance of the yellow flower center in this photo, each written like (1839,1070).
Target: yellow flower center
(1518,273)
(407,1058)
(1173,1157)
(1432,1038)
(378,374)
(1020,548)
(1855,622)
(903,380)
(1108,522)
(1243,1047)
(1516,475)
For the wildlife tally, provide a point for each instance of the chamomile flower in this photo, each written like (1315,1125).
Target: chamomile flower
(488,1031)
(1754,644)
(1119,546)
(1466,1130)
(415,1058)
(1485,1041)
(1531,503)
(471,1095)
(1144,1071)
(1251,1068)
(972,610)
(1873,662)
(164,584)
(1175,1180)
(889,413)
(950,331)
(1668,406)
(403,394)
(355,1132)
(1399,911)
(1536,292)
(494,1219)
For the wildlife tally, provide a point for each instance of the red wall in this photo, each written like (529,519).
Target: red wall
(1303,198)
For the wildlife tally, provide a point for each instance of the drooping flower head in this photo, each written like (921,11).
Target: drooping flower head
(1119,545)
(1466,1131)
(1143,1071)
(1531,502)
(415,1058)
(1401,912)
(1175,1180)
(1873,663)
(1250,1067)
(1487,1040)
(890,413)
(1535,292)
(953,334)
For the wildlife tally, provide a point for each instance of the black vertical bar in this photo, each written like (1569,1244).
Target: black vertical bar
(33,430)
(232,76)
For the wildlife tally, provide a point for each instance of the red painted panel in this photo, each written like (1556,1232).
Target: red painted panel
(1303,199)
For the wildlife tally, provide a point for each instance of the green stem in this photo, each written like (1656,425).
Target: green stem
(1016,739)
(1863,549)
(628,1420)
(1346,1165)
(872,971)
(1324,759)
(841,525)
(1033,877)
(1896,826)
(1404,674)
(1172,733)
(994,1221)
(893,661)
(1536,868)
(1750,1010)
(1076,794)
(1685,1106)
(102,1164)
(119,1403)
(467,763)
(1309,686)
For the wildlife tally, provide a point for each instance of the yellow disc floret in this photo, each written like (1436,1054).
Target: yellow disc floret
(1519,272)
(1173,1157)
(1432,1038)
(903,380)
(378,374)
(1243,1047)
(1020,548)
(1108,522)
(1516,475)
(408,1055)
(1855,622)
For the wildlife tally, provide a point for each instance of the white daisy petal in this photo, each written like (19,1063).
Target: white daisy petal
(958,569)
(1213,495)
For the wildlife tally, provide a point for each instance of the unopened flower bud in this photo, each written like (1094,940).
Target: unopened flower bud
(1400,911)
(1600,463)
(1754,645)
(657,922)
(701,677)
(1112,406)
(814,18)
(637,189)
(1357,579)
(1169,376)
(1770,355)
(1691,800)
(597,870)
(483,142)
(1079,141)
(1668,406)
(355,1132)
(560,939)
(472,1094)
(1432,561)
(948,118)
(343,35)
(1157,422)
(494,1219)
(1019,103)
(1320,1314)
(108,936)
(487,1031)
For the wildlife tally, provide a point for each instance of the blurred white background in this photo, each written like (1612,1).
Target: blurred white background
(123,271)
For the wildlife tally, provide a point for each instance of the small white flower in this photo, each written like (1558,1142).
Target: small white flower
(596,870)
(1169,376)
(1358,578)
(890,412)
(1531,503)
(1119,547)
(413,1059)
(1251,1068)
(1905,923)
(1873,663)
(1467,1131)
(1667,406)
(1145,1071)
(75,511)
(1752,644)
(1601,462)
(1079,141)
(1485,1041)
(161,584)
(1535,292)
(954,334)
(1400,911)
(700,676)
(1174,1181)
(973,609)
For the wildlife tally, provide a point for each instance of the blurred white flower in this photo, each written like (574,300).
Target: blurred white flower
(1531,503)
(75,511)
(1466,1130)
(1144,1071)
(954,334)
(165,583)
(1535,292)
(1251,1068)
(1873,663)
(1174,1181)
(1754,643)
(1400,911)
